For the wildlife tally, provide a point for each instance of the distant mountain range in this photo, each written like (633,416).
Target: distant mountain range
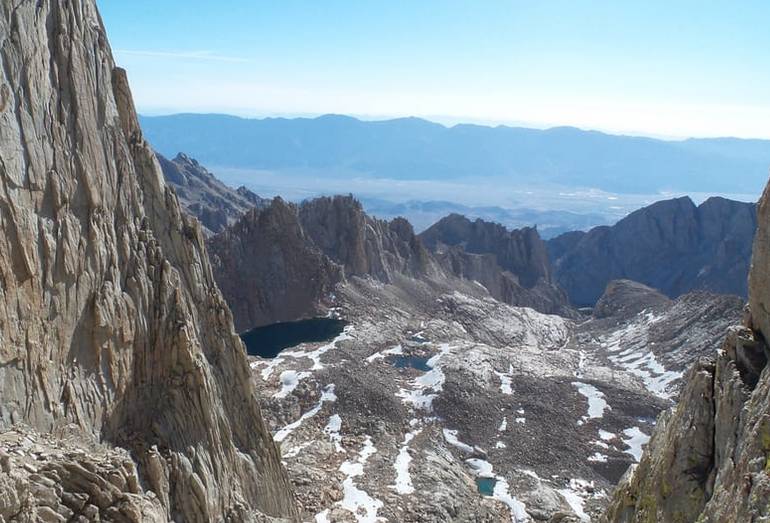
(415,149)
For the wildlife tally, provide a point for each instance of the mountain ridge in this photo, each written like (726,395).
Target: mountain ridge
(400,149)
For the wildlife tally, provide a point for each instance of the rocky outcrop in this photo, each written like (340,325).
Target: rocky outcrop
(512,265)
(282,262)
(202,195)
(672,246)
(268,268)
(625,298)
(709,459)
(521,252)
(363,245)
(113,330)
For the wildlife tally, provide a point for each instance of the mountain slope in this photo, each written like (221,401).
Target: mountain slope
(709,458)
(116,340)
(512,265)
(410,148)
(671,245)
(201,194)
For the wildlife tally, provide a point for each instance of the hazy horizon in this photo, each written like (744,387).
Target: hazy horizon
(657,69)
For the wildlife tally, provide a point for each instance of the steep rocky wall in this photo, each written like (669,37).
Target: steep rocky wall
(672,246)
(709,459)
(112,326)
(364,245)
(521,252)
(269,270)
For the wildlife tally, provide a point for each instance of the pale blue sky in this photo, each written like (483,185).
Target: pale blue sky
(682,68)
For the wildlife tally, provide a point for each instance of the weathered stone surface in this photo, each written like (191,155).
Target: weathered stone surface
(111,322)
(202,195)
(672,246)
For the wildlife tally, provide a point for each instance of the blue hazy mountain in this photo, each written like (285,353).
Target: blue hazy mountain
(416,149)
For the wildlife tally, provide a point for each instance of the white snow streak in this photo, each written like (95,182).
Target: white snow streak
(636,440)
(403,483)
(332,430)
(596,403)
(358,502)
(451,437)
(630,345)
(326,395)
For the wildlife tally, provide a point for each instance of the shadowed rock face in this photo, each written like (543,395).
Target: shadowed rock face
(113,330)
(268,268)
(202,195)
(283,262)
(709,457)
(521,252)
(512,265)
(672,246)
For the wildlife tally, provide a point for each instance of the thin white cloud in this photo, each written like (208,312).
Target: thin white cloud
(183,55)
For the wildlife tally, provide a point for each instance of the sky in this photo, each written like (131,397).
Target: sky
(657,68)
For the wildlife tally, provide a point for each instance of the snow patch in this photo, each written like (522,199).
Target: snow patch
(635,439)
(629,346)
(394,351)
(606,436)
(432,380)
(326,396)
(506,380)
(289,381)
(403,483)
(596,403)
(315,355)
(451,437)
(363,507)
(598,457)
(503,425)
(332,430)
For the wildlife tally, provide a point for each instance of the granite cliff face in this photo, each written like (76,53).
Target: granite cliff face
(512,265)
(364,245)
(672,246)
(269,269)
(202,195)
(283,262)
(124,390)
(709,459)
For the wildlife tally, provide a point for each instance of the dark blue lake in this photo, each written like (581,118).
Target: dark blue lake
(414,362)
(270,340)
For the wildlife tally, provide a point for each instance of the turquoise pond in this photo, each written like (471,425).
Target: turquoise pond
(486,486)
(270,340)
